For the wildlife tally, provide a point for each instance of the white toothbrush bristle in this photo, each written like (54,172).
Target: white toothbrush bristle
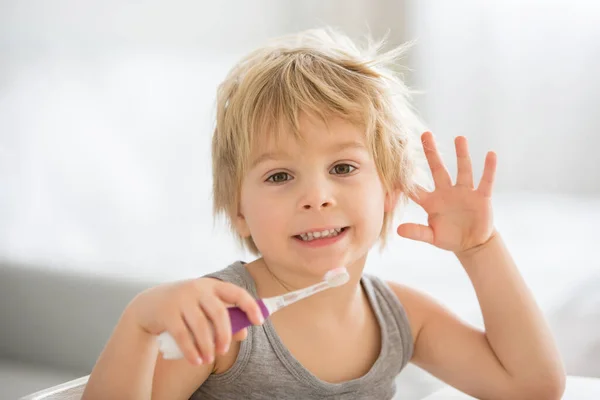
(337,277)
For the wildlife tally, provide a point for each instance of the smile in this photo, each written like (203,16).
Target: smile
(328,233)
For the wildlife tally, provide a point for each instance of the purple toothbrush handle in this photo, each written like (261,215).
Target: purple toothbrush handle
(239,319)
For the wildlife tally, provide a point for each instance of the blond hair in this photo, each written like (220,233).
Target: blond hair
(322,73)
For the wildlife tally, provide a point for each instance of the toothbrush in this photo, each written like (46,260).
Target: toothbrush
(336,277)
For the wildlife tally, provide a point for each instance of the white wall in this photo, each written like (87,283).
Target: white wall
(105,111)
(521,77)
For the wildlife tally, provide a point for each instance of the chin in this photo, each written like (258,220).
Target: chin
(319,264)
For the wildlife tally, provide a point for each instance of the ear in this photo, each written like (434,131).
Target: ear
(391,199)
(241,226)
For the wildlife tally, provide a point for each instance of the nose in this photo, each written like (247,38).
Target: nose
(317,197)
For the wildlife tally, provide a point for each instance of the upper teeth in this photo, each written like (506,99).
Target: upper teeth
(320,234)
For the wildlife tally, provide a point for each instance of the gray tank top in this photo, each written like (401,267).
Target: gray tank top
(265,369)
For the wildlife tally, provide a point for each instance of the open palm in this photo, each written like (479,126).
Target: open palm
(459,216)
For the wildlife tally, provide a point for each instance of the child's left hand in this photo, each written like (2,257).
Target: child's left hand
(459,216)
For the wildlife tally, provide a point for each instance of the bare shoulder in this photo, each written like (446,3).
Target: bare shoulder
(224,362)
(418,306)
(449,348)
(177,379)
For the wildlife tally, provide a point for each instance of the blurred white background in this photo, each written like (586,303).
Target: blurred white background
(105,124)
(105,109)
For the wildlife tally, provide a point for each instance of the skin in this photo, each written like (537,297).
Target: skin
(329,179)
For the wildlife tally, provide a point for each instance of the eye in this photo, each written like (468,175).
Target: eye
(342,169)
(279,177)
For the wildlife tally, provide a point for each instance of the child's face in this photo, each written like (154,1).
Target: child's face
(296,188)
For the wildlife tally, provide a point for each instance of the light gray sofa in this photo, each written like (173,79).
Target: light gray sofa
(54,324)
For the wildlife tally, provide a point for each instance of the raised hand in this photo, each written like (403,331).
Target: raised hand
(459,216)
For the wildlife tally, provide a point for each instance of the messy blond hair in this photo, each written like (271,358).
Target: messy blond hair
(321,73)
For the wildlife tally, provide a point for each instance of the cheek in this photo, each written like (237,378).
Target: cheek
(265,215)
(369,202)
(375,207)
(369,189)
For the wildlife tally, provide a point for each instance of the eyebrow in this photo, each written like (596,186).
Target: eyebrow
(278,155)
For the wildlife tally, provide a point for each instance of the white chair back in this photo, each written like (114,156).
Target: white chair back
(71,390)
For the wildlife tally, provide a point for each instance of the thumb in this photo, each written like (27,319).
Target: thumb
(418,232)
(240,335)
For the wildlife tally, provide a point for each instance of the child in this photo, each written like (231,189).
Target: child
(312,151)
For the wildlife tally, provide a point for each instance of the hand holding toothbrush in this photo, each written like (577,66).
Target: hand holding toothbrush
(239,320)
(195,314)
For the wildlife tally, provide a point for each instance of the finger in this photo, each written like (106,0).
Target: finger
(219,317)
(241,335)
(420,195)
(464,175)
(418,232)
(233,294)
(440,174)
(200,327)
(184,339)
(486,184)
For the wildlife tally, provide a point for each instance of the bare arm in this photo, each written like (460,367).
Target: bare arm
(195,313)
(514,358)
(515,326)
(126,368)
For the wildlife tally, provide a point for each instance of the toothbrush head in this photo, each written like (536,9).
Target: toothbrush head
(337,277)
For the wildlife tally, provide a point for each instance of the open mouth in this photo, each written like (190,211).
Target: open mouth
(317,235)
